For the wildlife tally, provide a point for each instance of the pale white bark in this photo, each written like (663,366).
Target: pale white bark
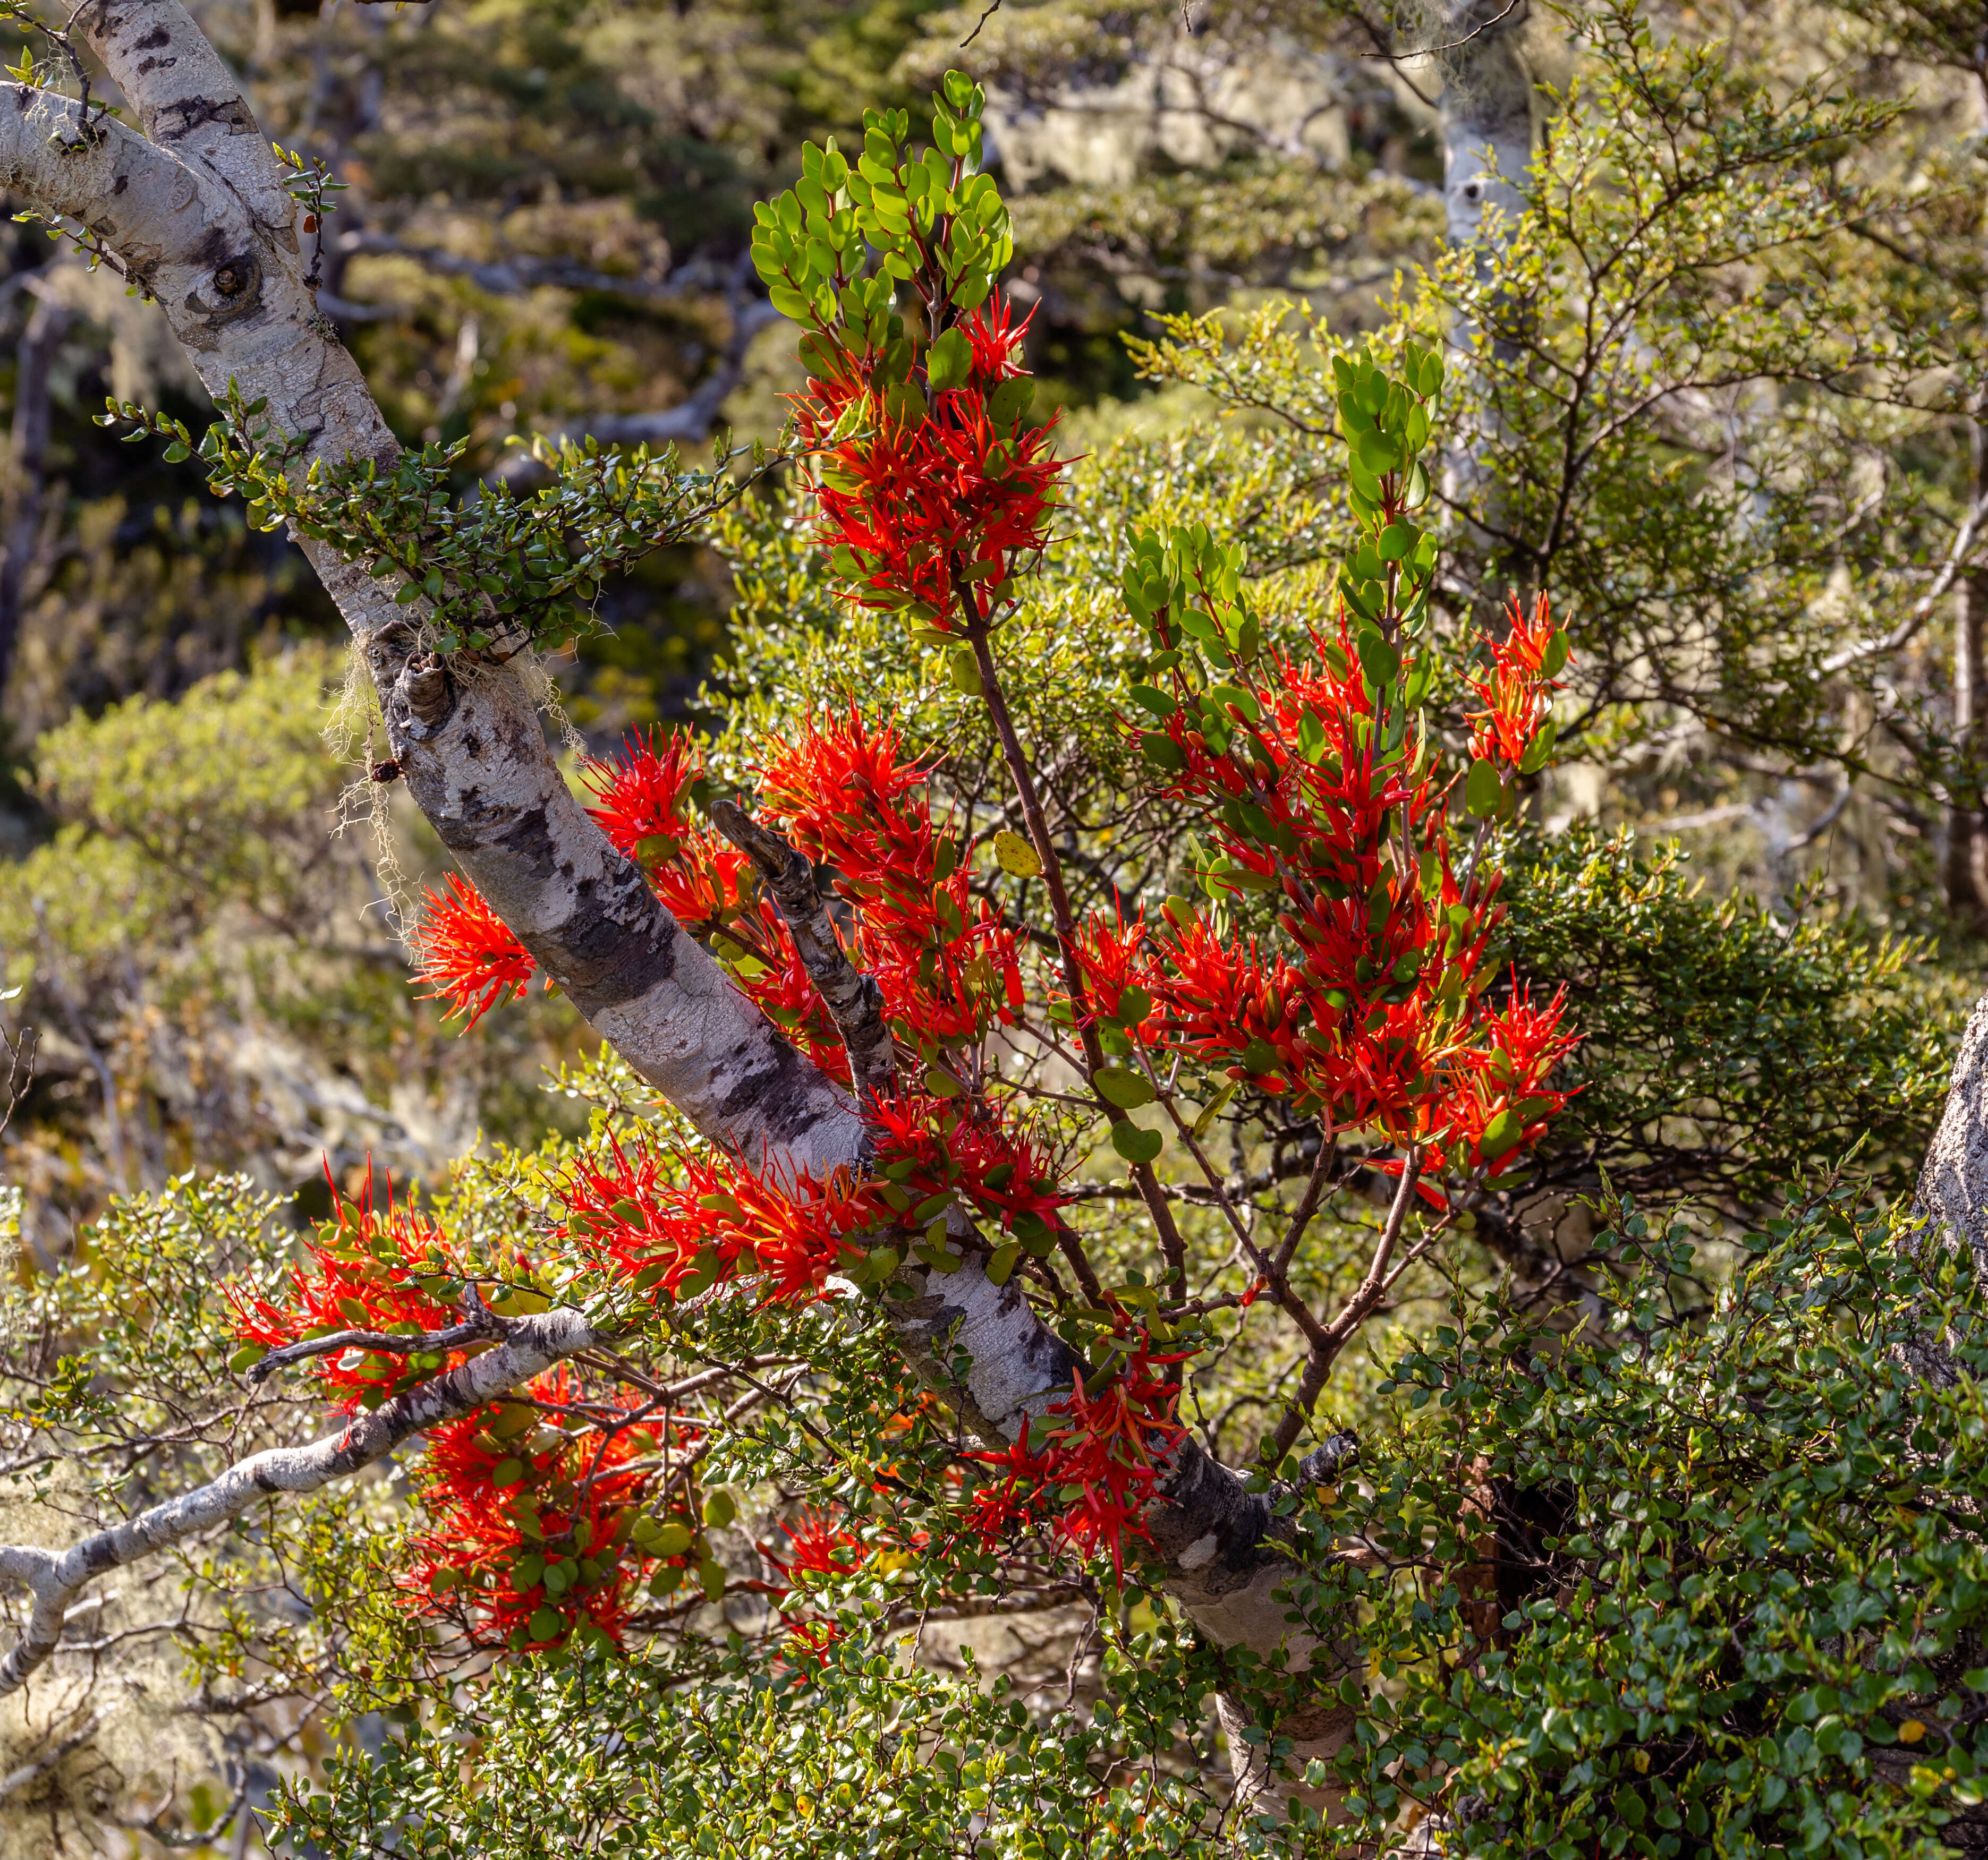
(1954,1187)
(1487,114)
(196,207)
(1487,144)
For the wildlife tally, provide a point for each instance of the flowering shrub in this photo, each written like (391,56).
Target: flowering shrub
(1333,970)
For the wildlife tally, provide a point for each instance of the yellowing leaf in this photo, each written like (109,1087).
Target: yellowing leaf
(1013,854)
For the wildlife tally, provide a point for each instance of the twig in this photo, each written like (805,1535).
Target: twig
(479,1324)
(1921,611)
(1011,752)
(1456,45)
(19,1048)
(19,1779)
(993,7)
(1354,1312)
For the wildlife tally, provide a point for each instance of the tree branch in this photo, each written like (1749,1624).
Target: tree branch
(854,1001)
(54,1580)
(199,215)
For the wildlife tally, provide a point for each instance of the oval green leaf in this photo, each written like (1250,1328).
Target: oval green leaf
(1135,1145)
(1127,1089)
(1483,791)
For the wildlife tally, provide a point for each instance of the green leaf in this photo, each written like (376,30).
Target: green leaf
(1379,660)
(1377,452)
(248,1356)
(1134,1003)
(1501,1136)
(546,1624)
(1163,752)
(1259,1056)
(949,362)
(1483,789)
(1135,1145)
(672,1540)
(1122,1087)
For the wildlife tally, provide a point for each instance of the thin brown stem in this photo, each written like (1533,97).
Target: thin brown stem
(1065,917)
(1354,1312)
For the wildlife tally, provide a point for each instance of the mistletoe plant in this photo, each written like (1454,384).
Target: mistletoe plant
(1334,964)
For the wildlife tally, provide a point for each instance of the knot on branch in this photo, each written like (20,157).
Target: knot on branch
(425,686)
(1324,1464)
(237,285)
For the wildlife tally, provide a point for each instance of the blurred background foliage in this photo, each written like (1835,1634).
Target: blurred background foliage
(1721,398)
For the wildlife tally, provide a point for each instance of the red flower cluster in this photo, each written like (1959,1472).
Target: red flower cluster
(922,496)
(1101,1462)
(468,952)
(1518,690)
(947,966)
(678,1225)
(1374,1018)
(535,1528)
(388,1271)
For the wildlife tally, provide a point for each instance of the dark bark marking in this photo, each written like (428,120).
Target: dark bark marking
(152,40)
(604,960)
(782,1094)
(196,113)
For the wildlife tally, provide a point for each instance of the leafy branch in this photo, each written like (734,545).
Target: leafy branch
(496,571)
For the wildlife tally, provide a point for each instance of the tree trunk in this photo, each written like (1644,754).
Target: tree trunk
(1487,147)
(1966,874)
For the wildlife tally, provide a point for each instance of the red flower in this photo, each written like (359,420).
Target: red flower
(712,1222)
(1517,693)
(532,1529)
(641,786)
(922,502)
(1101,1466)
(818,1548)
(368,1270)
(468,952)
(947,966)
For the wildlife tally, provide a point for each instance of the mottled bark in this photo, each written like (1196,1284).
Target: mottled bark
(1953,1186)
(1487,147)
(1487,114)
(1966,873)
(854,1001)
